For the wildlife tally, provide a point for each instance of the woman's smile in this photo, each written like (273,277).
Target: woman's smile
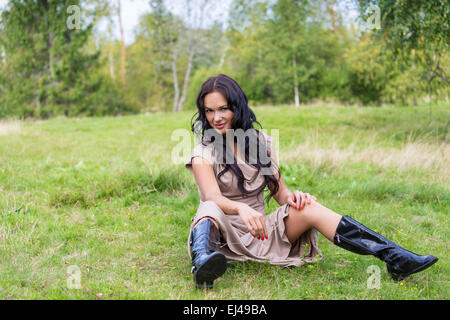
(217,111)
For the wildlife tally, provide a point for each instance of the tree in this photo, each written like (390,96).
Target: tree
(417,32)
(49,70)
(160,54)
(123,64)
(167,35)
(182,38)
(193,22)
(286,51)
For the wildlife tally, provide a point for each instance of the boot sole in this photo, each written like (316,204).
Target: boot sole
(401,276)
(210,270)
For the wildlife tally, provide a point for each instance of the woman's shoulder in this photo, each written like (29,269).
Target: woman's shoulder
(264,133)
(204,150)
(204,146)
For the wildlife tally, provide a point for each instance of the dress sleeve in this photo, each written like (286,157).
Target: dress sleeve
(200,151)
(269,142)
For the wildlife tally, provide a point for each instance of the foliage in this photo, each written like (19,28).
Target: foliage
(47,68)
(418,35)
(280,52)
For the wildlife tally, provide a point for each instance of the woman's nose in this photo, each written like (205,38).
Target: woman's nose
(217,115)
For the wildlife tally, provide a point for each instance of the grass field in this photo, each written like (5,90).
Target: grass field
(100,200)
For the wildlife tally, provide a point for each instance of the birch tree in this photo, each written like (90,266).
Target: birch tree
(195,19)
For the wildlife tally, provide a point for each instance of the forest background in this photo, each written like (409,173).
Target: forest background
(65,58)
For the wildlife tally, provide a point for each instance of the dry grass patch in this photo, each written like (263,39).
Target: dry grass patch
(411,155)
(10,127)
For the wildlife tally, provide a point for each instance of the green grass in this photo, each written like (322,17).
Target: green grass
(104,195)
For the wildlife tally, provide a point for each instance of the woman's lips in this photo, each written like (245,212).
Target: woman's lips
(220,126)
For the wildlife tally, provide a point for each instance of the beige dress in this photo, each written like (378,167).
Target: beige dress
(237,243)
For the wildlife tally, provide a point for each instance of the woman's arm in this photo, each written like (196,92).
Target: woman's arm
(283,194)
(297,199)
(207,183)
(206,180)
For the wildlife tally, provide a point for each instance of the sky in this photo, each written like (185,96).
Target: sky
(132,9)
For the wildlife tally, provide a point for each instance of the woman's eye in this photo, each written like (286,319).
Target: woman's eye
(221,109)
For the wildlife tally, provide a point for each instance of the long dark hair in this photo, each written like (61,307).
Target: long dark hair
(243,119)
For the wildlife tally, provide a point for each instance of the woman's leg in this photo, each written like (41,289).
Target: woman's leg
(313,215)
(209,218)
(351,235)
(208,263)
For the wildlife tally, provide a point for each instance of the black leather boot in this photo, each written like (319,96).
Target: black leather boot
(208,263)
(355,237)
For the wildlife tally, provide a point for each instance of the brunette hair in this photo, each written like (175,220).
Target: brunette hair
(243,119)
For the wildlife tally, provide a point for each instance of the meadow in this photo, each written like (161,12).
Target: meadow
(95,208)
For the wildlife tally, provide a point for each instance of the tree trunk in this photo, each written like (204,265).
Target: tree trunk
(186,81)
(294,67)
(111,64)
(175,79)
(50,42)
(124,50)
(51,62)
(332,13)
(222,57)
(222,60)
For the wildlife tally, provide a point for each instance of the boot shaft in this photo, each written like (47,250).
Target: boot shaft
(205,238)
(355,237)
(207,262)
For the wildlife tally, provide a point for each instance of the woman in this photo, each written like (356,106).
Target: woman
(231,223)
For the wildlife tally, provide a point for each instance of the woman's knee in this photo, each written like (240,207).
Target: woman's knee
(210,203)
(208,218)
(210,210)
(316,213)
(305,215)
(296,224)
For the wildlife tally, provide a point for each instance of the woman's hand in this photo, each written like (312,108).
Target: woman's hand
(298,199)
(254,221)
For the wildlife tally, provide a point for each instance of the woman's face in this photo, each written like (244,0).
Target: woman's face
(218,113)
